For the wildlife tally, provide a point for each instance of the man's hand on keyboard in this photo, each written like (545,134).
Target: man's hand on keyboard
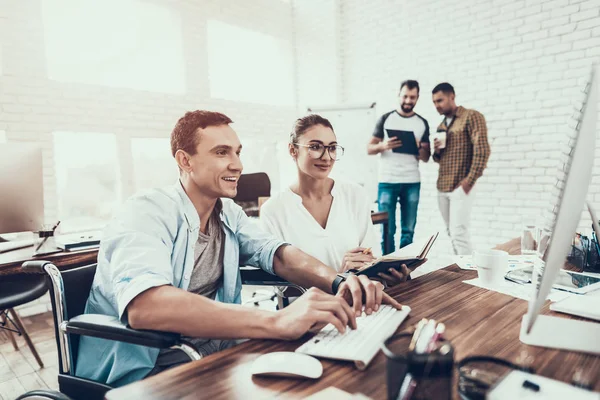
(311,312)
(360,290)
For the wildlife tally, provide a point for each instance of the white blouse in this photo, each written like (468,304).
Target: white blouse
(348,226)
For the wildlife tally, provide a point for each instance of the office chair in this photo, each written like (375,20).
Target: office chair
(258,277)
(250,187)
(69,291)
(14,291)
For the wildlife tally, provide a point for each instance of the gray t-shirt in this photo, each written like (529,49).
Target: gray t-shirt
(206,279)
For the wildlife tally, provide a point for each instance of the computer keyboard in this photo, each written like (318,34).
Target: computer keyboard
(361,344)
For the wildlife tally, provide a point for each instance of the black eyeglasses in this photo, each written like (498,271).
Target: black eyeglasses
(317,150)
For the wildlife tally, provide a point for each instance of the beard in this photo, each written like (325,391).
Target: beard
(407,107)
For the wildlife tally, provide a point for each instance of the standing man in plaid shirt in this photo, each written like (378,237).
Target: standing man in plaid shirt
(462,157)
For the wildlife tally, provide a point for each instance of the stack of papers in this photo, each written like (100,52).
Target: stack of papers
(520,291)
(519,261)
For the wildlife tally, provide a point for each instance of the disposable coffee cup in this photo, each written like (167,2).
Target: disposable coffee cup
(441,136)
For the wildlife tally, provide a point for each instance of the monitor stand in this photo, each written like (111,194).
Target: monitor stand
(562,333)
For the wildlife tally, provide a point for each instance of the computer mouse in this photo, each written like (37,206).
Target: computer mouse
(287,364)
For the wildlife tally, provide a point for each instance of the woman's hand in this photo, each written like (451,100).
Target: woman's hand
(394,276)
(356,258)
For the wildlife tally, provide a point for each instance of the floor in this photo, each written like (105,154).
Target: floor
(20,373)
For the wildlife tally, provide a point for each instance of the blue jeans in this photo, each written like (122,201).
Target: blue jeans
(408,195)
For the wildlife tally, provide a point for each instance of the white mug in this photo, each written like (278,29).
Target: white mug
(491,266)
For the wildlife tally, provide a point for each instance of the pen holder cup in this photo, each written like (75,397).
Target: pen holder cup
(44,242)
(429,374)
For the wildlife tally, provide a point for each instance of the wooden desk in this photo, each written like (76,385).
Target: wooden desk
(478,322)
(10,263)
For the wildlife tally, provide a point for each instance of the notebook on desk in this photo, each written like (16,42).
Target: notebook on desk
(79,241)
(395,260)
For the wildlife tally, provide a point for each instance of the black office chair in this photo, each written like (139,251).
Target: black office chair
(69,291)
(283,289)
(250,187)
(16,290)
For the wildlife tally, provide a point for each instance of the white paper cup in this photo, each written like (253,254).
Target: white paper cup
(441,136)
(491,266)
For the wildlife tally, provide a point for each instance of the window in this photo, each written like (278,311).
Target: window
(116,43)
(87,178)
(244,65)
(153,164)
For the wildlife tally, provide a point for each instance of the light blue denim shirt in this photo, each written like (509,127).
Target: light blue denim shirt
(151,243)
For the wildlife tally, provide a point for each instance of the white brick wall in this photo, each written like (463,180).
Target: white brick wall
(522,63)
(32,106)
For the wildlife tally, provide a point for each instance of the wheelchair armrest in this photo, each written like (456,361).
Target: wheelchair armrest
(44,394)
(111,328)
(35,266)
(259,277)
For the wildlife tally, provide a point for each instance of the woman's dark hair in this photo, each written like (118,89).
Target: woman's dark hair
(305,123)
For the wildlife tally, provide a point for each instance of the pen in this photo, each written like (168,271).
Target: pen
(416,334)
(425,337)
(409,384)
(46,237)
(439,331)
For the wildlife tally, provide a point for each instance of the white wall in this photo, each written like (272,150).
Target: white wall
(36,100)
(522,63)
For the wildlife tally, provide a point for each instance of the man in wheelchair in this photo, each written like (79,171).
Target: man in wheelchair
(169,261)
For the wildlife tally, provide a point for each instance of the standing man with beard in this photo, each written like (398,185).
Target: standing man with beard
(399,178)
(462,150)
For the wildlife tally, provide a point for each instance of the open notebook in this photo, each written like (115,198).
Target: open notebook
(396,259)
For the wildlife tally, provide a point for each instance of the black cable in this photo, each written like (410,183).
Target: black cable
(474,388)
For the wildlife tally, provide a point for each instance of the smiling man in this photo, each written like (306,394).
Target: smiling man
(170,262)
(399,177)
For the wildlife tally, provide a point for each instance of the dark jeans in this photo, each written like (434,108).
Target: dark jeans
(408,196)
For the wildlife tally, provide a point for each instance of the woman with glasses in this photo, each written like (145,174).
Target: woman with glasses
(330,220)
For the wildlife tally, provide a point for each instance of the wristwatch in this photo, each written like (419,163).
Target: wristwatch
(340,277)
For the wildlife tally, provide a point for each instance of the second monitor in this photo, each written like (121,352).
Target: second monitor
(21,185)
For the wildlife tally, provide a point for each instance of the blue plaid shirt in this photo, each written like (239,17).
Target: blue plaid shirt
(151,243)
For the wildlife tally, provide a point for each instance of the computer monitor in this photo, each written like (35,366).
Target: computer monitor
(574,179)
(21,187)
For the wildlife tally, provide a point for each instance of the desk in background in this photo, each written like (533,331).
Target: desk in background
(478,321)
(10,262)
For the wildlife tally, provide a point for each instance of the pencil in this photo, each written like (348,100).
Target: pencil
(367,251)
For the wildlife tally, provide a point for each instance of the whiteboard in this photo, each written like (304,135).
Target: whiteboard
(353,126)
